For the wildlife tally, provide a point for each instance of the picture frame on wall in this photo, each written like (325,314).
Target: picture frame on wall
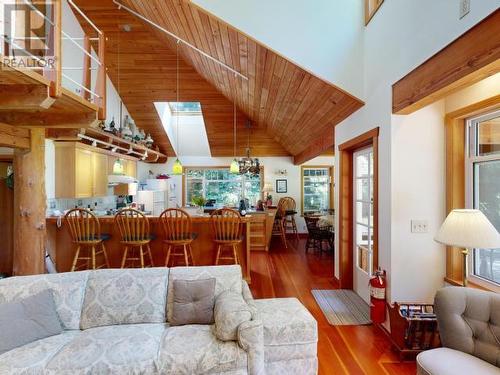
(281,186)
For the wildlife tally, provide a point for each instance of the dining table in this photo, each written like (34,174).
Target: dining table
(326,221)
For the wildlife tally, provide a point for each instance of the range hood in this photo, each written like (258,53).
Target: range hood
(117,179)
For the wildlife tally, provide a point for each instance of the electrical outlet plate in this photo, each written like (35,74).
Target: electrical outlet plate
(419,226)
(464,8)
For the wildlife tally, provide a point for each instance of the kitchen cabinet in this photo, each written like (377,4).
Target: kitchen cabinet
(81,171)
(100,177)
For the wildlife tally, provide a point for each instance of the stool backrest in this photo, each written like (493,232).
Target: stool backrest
(83,225)
(132,224)
(176,224)
(226,224)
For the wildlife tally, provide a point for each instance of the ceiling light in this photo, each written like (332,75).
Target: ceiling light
(118,167)
(247,164)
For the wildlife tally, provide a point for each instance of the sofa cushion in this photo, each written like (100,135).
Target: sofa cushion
(226,278)
(445,361)
(34,357)
(193,302)
(286,321)
(194,349)
(230,311)
(27,320)
(125,296)
(67,288)
(122,349)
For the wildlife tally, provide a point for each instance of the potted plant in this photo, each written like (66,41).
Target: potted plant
(199,202)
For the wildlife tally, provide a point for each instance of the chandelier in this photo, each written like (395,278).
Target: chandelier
(248,165)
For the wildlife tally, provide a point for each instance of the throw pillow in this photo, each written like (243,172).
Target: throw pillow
(230,311)
(28,320)
(193,302)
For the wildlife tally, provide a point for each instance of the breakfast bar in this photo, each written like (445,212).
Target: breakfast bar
(62,250)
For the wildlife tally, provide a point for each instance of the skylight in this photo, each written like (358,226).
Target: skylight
(185,108)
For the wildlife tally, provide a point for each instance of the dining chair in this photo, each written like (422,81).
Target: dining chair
(227,229)
(317,235)
(279,221)
(135,235)
(85,232)
(177,230)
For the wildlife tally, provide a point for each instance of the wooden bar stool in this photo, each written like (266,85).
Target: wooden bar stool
(176,225)
(134,231)
(227,229)
(279,222)
(290,211)
(85,231)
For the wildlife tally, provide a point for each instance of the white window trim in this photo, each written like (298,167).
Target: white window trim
(471,159)
(329,184)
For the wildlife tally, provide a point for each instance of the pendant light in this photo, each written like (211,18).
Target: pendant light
(177,167)
(235,167)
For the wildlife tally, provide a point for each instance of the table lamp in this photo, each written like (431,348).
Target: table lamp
(468,229)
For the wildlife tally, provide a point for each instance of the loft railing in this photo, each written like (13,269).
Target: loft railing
(56,70)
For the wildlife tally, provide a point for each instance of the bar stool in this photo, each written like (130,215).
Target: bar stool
(290,212)
(134,231)
(227,229)
(279,222)
(85,231)
(176,225)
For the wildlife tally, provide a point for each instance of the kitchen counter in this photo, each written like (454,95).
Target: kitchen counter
(62,250)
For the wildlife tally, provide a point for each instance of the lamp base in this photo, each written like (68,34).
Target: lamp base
(465,266)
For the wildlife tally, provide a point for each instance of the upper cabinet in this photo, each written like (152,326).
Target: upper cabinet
(82,171)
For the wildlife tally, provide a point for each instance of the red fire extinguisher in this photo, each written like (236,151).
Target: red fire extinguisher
(378,285)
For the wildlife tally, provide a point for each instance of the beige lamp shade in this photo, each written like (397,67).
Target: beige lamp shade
(468,229)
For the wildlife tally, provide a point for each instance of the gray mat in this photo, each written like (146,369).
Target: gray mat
(342,307)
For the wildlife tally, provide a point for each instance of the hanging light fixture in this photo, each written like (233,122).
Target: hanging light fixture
(235,167)
(247,164)
(177,167)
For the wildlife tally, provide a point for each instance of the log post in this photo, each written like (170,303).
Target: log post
(29,207)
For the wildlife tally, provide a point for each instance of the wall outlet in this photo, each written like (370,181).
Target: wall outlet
(464,8)
(419,226)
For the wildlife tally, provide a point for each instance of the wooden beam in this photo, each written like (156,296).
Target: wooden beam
(29,207)
(25,97)
(15,137)
(101,78)
(475,55)
(316,148)
(50,119)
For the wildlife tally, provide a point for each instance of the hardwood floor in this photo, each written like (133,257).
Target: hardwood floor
(341,349)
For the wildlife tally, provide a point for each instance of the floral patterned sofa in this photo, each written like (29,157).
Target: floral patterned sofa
(116,322)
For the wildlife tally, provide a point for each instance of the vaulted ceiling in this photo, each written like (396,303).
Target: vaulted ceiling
(290,109)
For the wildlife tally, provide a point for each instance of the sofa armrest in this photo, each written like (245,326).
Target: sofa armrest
(251,339)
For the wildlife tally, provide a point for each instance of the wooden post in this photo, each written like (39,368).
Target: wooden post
(29,207)
(86,81)
(101,78)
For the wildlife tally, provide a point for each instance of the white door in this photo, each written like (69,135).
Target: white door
(363,221)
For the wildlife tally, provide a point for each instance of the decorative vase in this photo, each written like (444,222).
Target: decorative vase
(201,210)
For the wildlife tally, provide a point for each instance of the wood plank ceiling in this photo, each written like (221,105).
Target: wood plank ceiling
(290,108)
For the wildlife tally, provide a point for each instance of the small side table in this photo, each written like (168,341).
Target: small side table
(413,328)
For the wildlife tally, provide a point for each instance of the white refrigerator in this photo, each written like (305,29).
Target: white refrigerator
(155,201)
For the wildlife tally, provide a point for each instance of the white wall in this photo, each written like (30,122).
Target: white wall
(401,36)
(323,36)
(271,165)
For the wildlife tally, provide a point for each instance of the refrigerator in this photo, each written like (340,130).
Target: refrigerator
(155,201)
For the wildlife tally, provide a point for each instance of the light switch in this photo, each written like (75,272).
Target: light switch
(419,226)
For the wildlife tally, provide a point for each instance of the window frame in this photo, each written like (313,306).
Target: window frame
(471,147)
(184,180)
(331,184)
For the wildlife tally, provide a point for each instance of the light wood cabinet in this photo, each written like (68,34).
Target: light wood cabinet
(129,166)
(100,177)
(83,174)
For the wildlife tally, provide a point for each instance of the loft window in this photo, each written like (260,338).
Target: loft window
(185,108)
(483,193)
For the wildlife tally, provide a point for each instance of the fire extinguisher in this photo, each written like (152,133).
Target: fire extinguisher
(378,285)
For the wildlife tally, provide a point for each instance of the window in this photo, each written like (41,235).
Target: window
(316,189)
(220,185)
(483,188)
(185,108)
